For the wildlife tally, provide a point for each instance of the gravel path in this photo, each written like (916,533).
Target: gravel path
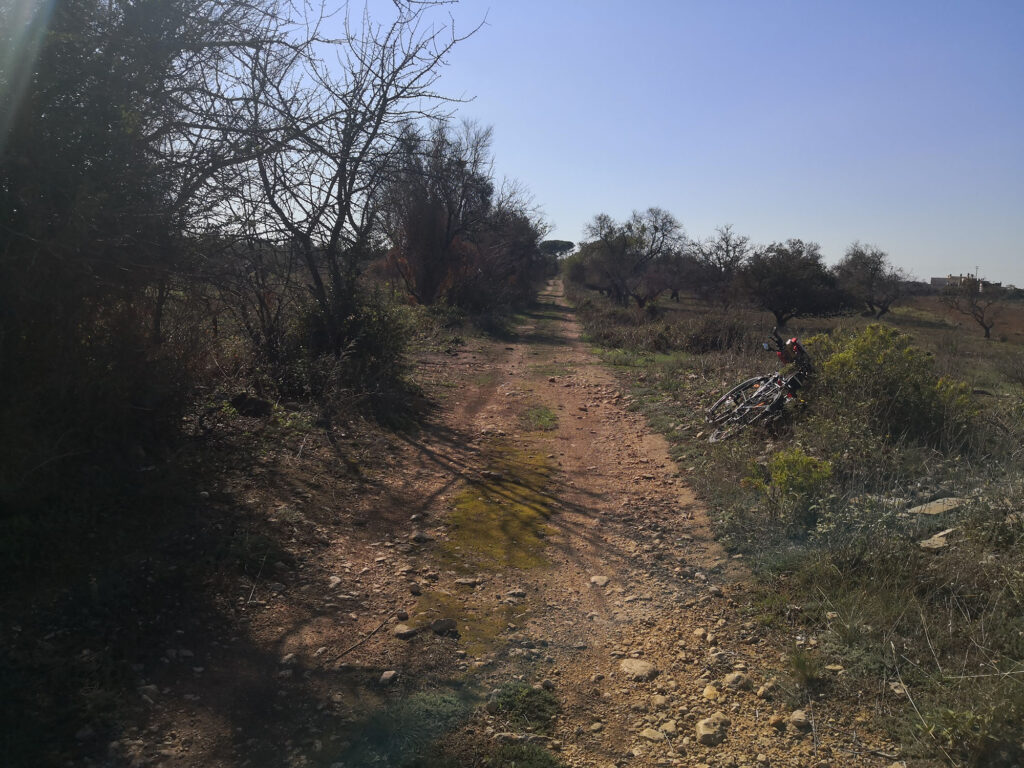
(535,528)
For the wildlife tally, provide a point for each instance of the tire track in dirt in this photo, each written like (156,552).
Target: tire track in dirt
(634,572)
(619,563)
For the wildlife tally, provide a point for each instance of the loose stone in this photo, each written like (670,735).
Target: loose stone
(443,626)
(738,680)
(800,721)
(711,693)
(711,731)
(404,631)
(639,670)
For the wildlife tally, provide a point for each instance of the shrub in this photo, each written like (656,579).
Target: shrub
(525,706)
(76,404)
(890,386)
(651,329)
(395,734)
(373,334)
(792,484)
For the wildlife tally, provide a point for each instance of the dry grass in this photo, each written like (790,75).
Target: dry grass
(946,627)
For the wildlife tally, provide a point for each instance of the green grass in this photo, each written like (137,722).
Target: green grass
(524,707)
(807,670)
(398,733)
(485,379)
(523,756)
(540,418)
(621,358)
(489,754)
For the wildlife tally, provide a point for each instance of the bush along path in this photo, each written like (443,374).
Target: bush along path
(526,580)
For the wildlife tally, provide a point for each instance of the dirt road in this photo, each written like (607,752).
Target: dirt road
(534,528)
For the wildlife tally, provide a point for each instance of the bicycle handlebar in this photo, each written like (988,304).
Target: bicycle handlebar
(779,343)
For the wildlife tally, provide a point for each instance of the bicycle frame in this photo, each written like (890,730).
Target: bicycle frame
(761,398)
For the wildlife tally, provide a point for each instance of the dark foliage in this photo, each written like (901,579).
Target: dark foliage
(789,280)
(632,260)
(866,276)
(454,237)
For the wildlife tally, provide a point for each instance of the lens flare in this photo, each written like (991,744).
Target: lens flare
(23,24)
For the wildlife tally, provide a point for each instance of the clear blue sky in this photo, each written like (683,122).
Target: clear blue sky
(897,123)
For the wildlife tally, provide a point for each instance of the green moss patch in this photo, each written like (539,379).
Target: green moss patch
(479,627)
(500,520)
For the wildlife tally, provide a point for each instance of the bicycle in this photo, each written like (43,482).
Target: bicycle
(761,398)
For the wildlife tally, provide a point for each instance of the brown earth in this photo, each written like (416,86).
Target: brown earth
(544,519)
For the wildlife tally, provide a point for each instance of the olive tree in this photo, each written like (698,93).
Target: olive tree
(789,280)
(866,275)
(982,302)
(718,263)
(623,256)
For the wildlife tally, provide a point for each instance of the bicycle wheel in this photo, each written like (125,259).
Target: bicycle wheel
(763,404)
(733,401)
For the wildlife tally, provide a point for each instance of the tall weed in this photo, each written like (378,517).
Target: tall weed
(793,485)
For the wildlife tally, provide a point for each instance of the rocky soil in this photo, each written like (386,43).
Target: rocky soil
(535,529)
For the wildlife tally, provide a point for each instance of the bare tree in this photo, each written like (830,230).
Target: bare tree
(623,255)
(866,275)
(719,261)
(981,301)
(327,133)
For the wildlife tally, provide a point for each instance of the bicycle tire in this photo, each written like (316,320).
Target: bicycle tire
(763,406)
(735,426)
(732,401)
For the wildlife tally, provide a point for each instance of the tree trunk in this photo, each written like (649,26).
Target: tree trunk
(158,312)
